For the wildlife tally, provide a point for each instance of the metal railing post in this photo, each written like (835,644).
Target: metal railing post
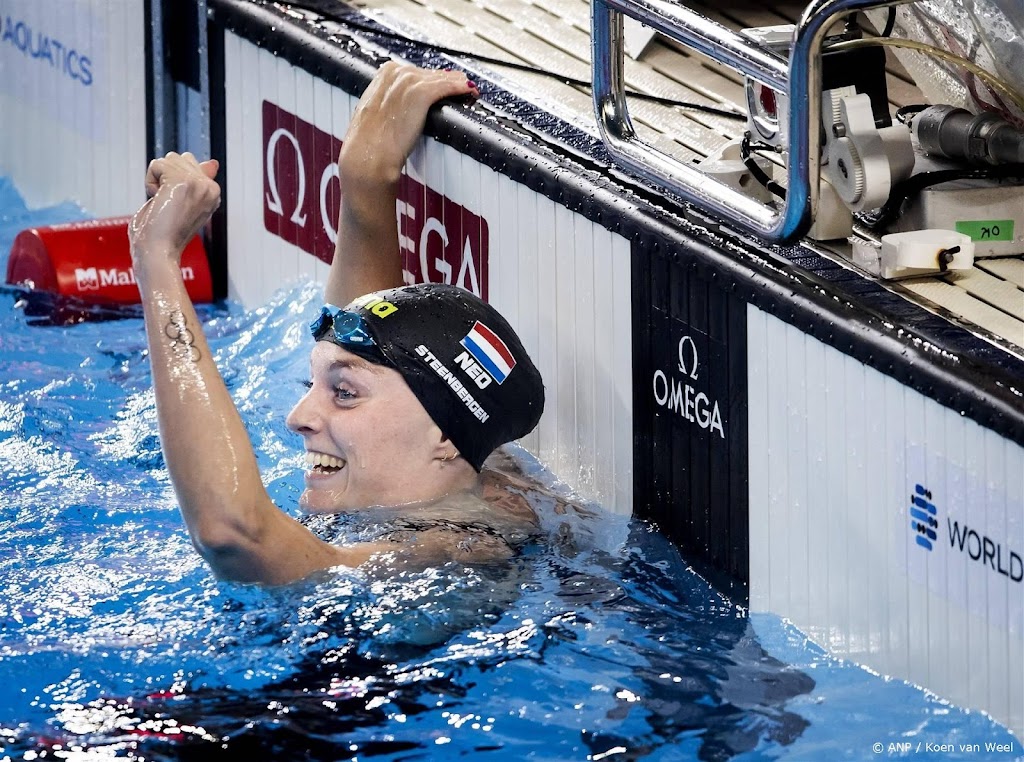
(799,78)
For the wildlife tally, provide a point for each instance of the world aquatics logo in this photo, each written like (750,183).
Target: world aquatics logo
(923,517)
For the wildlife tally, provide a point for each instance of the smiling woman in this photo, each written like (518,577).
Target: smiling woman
(368,439)
(412,388)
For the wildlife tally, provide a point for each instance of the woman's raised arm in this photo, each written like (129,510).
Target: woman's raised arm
(229,515)
(385,127)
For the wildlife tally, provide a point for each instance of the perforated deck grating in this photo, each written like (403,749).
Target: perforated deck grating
(555,35)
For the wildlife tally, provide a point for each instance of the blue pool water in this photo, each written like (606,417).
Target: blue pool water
(115,641)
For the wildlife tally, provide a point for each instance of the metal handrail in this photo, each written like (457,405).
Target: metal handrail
(800,78)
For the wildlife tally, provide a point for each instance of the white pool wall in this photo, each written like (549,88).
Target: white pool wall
(73,102)
(837,450)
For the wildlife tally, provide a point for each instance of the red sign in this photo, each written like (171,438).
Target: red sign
(440,241)
(92,261)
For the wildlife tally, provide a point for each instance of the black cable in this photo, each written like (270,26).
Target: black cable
(914,185)
(746,151)
(890,22)
(318,8)
(904,113)
(851,27)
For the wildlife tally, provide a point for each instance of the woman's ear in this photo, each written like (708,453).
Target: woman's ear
(445,450)
(439,443)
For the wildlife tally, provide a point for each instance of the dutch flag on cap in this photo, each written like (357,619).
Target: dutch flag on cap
(490,351)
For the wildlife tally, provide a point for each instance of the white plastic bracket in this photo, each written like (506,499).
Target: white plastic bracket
(916,253)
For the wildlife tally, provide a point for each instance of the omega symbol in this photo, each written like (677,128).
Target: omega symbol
(684,368)
(274,199)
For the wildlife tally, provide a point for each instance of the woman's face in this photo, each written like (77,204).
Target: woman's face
(368,439)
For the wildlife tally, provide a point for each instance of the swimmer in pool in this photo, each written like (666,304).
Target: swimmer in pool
(412,388)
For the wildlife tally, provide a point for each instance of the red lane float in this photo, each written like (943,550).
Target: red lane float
(91,261)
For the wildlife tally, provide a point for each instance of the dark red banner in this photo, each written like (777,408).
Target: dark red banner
(441,241)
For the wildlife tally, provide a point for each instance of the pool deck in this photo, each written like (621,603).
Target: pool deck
(555,35)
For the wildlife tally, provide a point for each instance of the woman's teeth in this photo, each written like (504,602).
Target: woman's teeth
(322,462)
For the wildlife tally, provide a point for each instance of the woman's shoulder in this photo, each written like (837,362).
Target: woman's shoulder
(471,525)
(507,512)
(461,528)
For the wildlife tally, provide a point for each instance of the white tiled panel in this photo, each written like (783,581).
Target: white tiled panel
(73,102)
(837,451)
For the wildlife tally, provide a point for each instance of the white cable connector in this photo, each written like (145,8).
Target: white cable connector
(916,253)
(728,168)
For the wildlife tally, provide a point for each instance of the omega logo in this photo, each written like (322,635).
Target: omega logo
(274,196)
(440,240)
(683,343)
(679,396)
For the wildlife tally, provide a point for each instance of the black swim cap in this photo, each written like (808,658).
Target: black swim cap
(461,359)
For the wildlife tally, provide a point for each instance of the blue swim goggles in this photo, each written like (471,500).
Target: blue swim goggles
(349,327)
